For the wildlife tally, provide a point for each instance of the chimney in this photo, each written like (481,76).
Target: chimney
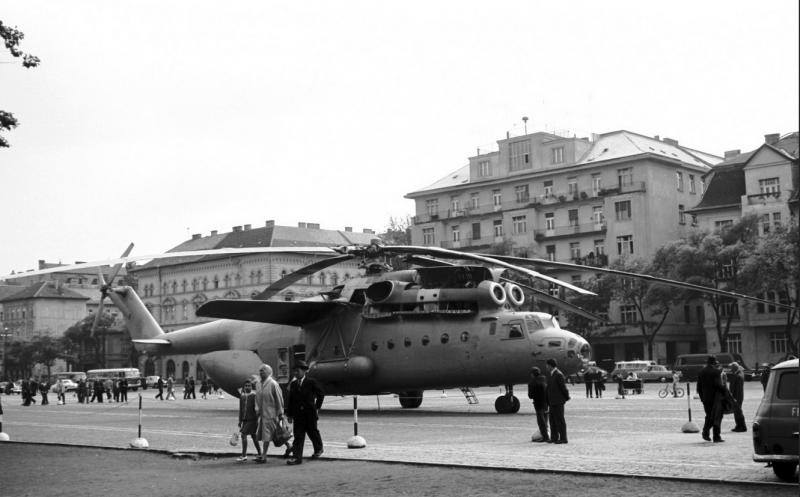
(732,153)
(772,138)
(248,227)
(657,137)
(313,226)
(301,225)
(270,223)
(595,137)
(213,232)
(348,229)
(196,236)
(41,263)
(368,231)
(670,141)
(236,228)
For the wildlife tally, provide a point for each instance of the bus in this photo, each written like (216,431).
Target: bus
(131,374)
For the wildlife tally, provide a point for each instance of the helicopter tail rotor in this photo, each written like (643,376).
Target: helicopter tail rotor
(105,287)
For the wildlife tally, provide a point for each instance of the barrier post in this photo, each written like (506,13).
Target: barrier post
(139,442)
(356,442)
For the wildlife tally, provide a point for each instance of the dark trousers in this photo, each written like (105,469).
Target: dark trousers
(713,422)
(542,420)
(598,389)
(558,425)
(738,416)
(160,394)
(303,425)
(123,395)
(589,389)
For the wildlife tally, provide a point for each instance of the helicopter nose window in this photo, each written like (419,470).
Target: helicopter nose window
(554,343)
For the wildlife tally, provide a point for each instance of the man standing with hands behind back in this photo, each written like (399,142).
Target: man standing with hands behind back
(305,399)
(558,395)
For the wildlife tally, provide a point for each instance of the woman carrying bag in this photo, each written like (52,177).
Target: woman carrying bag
(269,406)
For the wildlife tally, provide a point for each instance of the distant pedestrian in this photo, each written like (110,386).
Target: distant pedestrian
(108,385)
(537,392)
(99,390)
(170,388)
(192,388)
(204,388)
(711,391)
(82,393)
(160,386)
(33,389)
(44,387)
(248,420)
(123,390)
(765,376)
(588,380)
(61,398)
(557,395)
(143,383)
(599,384)
(736,387)
(115,388)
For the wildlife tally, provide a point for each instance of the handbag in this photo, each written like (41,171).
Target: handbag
(234,441)
(282,433)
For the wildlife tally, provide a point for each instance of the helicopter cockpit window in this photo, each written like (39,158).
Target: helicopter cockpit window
(554,343)
(515,331)
(534,323)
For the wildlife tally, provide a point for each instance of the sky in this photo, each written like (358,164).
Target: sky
(150,121)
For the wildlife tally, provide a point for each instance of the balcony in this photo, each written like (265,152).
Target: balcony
(635,186)
(768,198)
(561,231)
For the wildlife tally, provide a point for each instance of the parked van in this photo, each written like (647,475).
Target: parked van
(775,427)
(690,364)
(623,368)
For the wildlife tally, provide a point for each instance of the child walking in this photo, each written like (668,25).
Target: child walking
(248,420)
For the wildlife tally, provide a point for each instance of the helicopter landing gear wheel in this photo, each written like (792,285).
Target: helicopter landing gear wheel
(410,400)
(507,403)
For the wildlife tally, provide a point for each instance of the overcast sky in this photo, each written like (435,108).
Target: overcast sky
(150,121)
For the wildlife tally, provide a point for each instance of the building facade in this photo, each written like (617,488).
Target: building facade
(173,289)
(762,182)
(590,201)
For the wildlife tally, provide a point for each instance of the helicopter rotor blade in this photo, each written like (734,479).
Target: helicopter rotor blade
(425,261)
(298,275)
(115,270)
(646,277)
(557,302)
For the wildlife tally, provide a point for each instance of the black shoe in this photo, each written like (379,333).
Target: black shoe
(718,440)
(740,429)
(316,454)
(293,461)
(706,438)
(261,460)
(560,442)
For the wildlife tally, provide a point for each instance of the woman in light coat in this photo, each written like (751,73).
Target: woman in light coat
(269,407)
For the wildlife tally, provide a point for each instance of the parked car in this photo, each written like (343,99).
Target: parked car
(690,364)
(775,428)
(623,368)
(152,381)
(579,376)
(655,373)
(69,385)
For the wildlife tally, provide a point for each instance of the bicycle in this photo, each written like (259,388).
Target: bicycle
(666,391)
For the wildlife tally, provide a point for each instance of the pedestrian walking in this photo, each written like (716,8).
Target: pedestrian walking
(160,385)
(248,420)
(123,390)
(170,388)
(44,387)
(537,392)
(269,406)
(204,388)
(711,391)
(588,379)
(60,397)
(192,387)
(305,400)
(736,387)
(557,395)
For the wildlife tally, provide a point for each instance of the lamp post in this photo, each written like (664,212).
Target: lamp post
(5,340)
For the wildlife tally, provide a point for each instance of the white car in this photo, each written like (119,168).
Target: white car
(152,381)
(69,386)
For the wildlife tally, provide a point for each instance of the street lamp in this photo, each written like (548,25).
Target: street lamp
(5,339)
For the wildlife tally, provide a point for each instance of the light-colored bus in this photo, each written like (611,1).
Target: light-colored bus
(131,374)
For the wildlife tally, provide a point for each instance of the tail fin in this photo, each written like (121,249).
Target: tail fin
(141,324)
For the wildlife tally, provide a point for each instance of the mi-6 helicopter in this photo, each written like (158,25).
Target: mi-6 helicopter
(436,326)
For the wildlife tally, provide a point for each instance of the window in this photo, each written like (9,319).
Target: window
(692,188)
(520,224)
(681,214)
(623,210)
(597,214)
(776,218)
(497,198)
(726,270)
(550,221)
(557,155)
(576,279)
(474,200)
(519,156)
(687,314)
(572,186)
(599,247)
(625,245)
(455,204)
(521,192)
(484,168)
(497,225)
(432,206)
(628,314)
(554,291)
(456,233)
(625,176)
(551,252)
(769,185)
(573,217)
(734,342)
(679,180)
(764,223)
(575,250)
(777,342)
(720,225)
(476,231)
(731,309)
(548,188)
(427,236)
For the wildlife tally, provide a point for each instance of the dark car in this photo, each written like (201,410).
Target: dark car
(690,365)
(775,427)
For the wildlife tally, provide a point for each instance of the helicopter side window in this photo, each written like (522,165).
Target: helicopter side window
(492,328)
(390,344)
(374,346)
(426,340)
(554,343)
(465,336)
(407,342)
(445,338)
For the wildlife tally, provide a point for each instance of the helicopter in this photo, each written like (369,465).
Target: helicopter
(436,326)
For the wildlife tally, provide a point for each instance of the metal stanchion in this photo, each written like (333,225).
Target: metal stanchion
(140,443)
(689,426)
(356,442)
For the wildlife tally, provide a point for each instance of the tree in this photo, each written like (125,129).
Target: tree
(84,350)
(596,304)
(46,350)
(398,232)
(12,38)
(773,270)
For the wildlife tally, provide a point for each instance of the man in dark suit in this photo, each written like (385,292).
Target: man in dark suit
(537,391)
(557,395)
(304,400)
(711,391)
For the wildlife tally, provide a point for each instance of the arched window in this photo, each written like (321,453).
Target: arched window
(237,278)
(198,300)
(185,370)
(259,276)
(185,310)
(346,276)
(227,280)
(183,286)
(164,288)
(252,277)
(216,282)
(232,294)
(322,279)
(194,284)
(334,279)
(174,287)
(205,283)
(171,369)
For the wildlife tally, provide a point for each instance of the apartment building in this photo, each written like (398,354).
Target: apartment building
(586,200)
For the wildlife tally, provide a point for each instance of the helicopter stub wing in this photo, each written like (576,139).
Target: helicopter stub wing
(265,311)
